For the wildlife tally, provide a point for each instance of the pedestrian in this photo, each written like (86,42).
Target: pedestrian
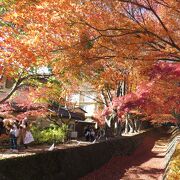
(1,125)
(25,122)
(92,134)
(13,134)
(22,132)
(28,138)
(87,133)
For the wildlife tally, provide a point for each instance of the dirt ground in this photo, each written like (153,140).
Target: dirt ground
(146,163)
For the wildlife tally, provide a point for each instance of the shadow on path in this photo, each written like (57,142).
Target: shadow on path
(147,162)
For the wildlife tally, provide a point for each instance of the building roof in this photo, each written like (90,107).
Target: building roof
(87,122)
(66,113)
(79,108)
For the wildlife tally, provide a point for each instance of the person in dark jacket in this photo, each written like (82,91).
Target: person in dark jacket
(87,133)
(1,125)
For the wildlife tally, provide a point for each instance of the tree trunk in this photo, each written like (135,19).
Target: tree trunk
(14,88)
(126,125)
(136,123)
(140,125)
(110,122)
(18,84)
(104,98)
(132,125)
(119,129)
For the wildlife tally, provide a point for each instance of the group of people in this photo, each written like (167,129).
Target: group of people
(89,134)
(94,135)
(19,134)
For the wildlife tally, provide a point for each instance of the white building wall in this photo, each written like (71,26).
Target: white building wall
(86,99)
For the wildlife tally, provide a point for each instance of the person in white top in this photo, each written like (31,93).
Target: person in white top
(13,133)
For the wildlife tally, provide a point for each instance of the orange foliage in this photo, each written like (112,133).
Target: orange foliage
(103,42)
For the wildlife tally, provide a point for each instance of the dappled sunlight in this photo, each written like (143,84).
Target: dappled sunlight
(35,149)
(147,162)
(142,173)
(9,154)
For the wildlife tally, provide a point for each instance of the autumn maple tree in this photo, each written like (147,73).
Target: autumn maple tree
(125,49)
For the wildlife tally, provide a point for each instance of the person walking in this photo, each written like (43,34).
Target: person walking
(28,137)
(1,125)
(22,132)
(13,134)
(92,135)
(87,133)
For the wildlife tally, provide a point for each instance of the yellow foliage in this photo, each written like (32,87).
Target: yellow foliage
(174,167)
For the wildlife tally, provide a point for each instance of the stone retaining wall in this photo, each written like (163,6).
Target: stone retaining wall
(67,164)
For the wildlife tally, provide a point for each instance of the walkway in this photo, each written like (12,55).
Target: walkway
(6,153)
(146,163)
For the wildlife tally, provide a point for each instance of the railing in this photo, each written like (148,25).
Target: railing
(170,151)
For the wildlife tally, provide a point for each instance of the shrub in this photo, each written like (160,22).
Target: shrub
(52,134)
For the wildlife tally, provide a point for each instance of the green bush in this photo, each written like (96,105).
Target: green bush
(52,134)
